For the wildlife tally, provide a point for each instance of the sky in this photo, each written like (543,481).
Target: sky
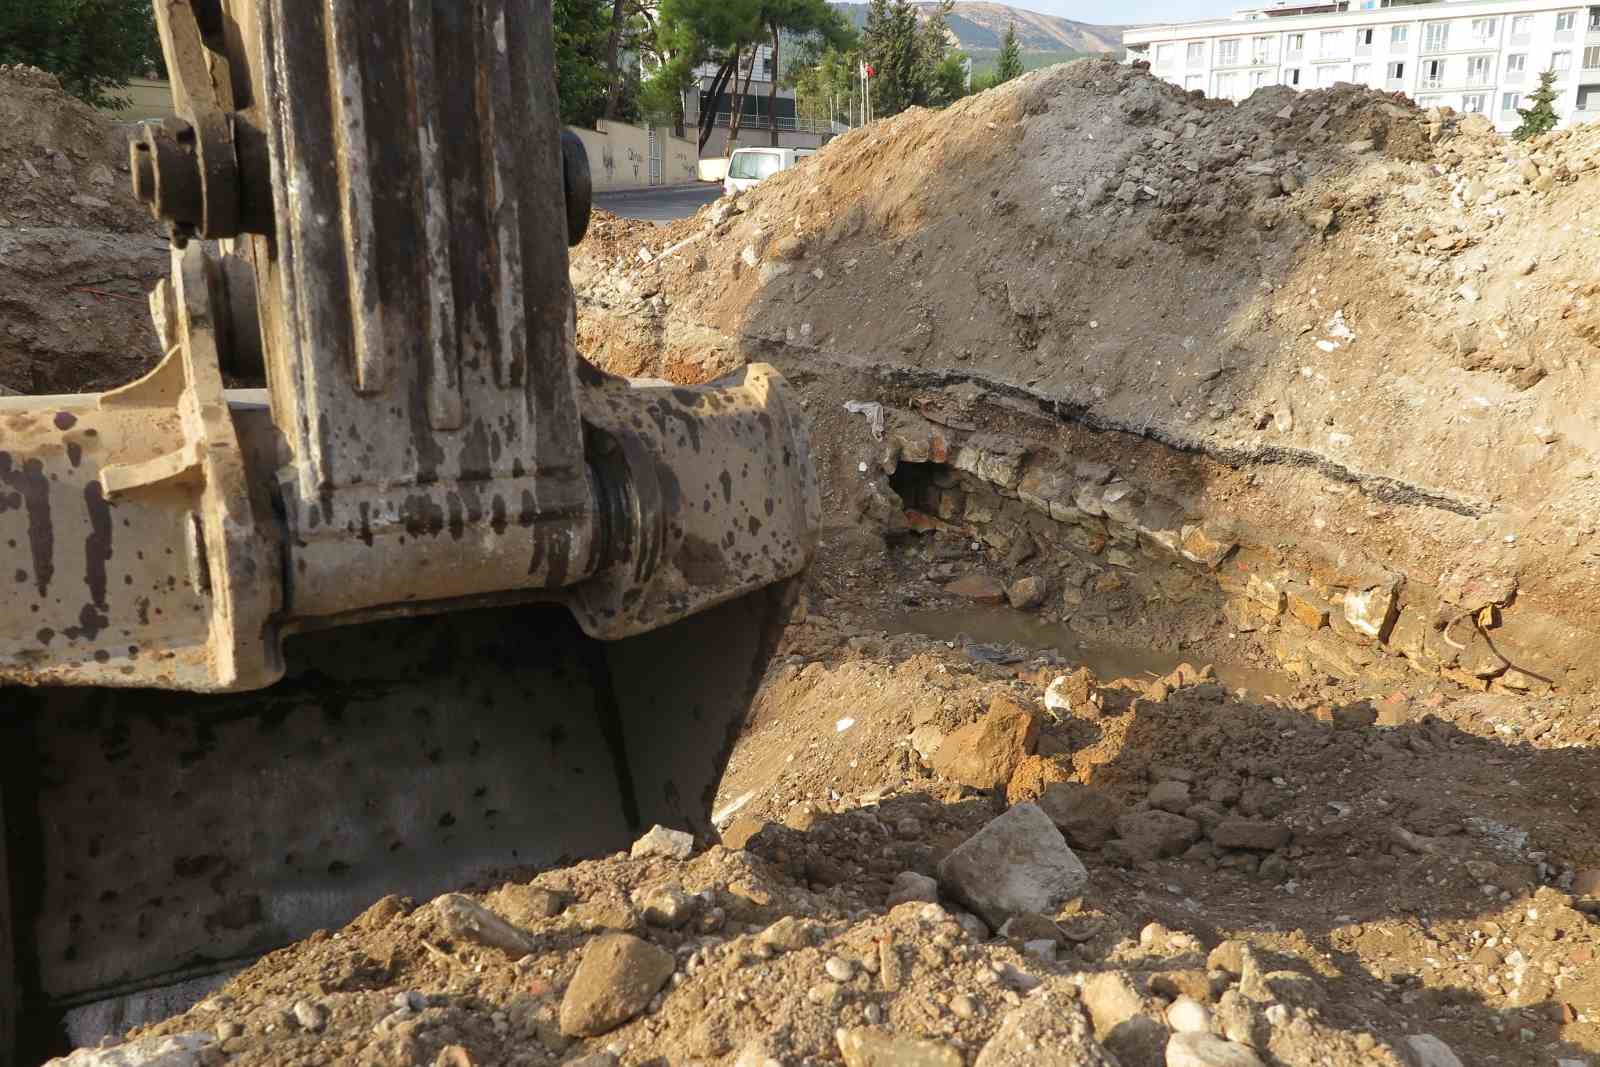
(1126,11)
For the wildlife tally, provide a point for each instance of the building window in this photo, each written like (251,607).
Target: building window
(1432,73)
(1326,76)
(1361,73)
(1561,62)
(1364,38)
(1397,71)
(1261,51)
(1472,103)
(1522,29)
(1228,86)
(1258,79)
(1591,57)
(1435,36)
(1565,21)
(1192,82)
(1297,43)
(1509,103)
(1483,29)
(1516,63)
(1331,43)
(1163,55)
(1197,54)
(1291,76)
(1478,70)
(1398,37)
(1228,53)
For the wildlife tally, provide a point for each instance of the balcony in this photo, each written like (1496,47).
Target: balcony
(1435,45)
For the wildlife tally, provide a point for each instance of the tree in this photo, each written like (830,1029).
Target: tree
(806,19)
(908,54)
(690,33)
(583,30)
(93,46)
(824,80)
(949,80)
(1010,63)
(1541,117)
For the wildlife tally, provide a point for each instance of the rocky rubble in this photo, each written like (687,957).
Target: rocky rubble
(77,253)
(1329,328)
(1209,881)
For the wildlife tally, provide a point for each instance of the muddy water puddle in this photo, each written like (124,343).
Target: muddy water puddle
(997,633)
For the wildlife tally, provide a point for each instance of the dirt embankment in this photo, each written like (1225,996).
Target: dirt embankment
(77,253)
(1329,322)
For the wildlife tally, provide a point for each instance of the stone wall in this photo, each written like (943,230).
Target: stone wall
(1118,539)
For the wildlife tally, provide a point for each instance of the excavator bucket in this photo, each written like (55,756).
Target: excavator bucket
(440,601)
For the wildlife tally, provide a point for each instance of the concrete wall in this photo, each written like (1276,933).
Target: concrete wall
(619,157)
(619,154)
(149,97)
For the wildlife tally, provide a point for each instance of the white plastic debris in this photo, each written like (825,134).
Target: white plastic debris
(874,413)
(1340,329)
(843,724)
(1055,697)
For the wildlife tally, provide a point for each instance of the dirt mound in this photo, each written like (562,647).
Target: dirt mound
(1314,879)
(1374,325)
(77,252)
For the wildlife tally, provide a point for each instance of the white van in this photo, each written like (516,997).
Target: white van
(748,166)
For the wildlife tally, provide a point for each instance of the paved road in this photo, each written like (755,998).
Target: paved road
(659,205)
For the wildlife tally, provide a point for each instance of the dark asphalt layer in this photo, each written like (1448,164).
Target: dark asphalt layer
(662,204)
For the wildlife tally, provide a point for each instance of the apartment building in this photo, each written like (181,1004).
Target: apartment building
(1477,56)
(794,131)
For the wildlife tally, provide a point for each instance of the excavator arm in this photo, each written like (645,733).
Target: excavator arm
(433,598)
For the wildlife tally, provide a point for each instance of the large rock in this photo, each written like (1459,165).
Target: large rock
(985,754)
(1025,594)
(1086,817)
(616,978)
(1123,1020)
(874,1048)
(1048,1030)
(464,919)
(1250,833)
(668,844)
(1428,1051)
(179,1050)
(1018,863)
(979,587)
(1208,1050)
(1148,835)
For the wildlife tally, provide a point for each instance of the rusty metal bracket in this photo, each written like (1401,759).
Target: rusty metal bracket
(430,437)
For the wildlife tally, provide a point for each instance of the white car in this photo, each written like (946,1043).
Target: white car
(748,166)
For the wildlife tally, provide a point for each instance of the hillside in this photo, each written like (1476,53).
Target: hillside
(980,26)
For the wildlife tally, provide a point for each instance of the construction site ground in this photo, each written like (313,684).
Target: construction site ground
(1149,429)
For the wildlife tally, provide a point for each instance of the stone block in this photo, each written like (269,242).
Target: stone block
(1018,863)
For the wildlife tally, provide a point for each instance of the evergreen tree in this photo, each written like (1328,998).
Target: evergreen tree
(949,80)
(907,53)
(583,31)
(1010,64)
(1541,117)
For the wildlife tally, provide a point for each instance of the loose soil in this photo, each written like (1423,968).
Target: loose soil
(1156,277)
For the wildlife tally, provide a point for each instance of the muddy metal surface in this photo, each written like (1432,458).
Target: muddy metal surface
(179,837)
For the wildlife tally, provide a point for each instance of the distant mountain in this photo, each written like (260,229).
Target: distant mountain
(980,27)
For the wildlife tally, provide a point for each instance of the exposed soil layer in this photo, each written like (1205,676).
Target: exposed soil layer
(1362,330)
